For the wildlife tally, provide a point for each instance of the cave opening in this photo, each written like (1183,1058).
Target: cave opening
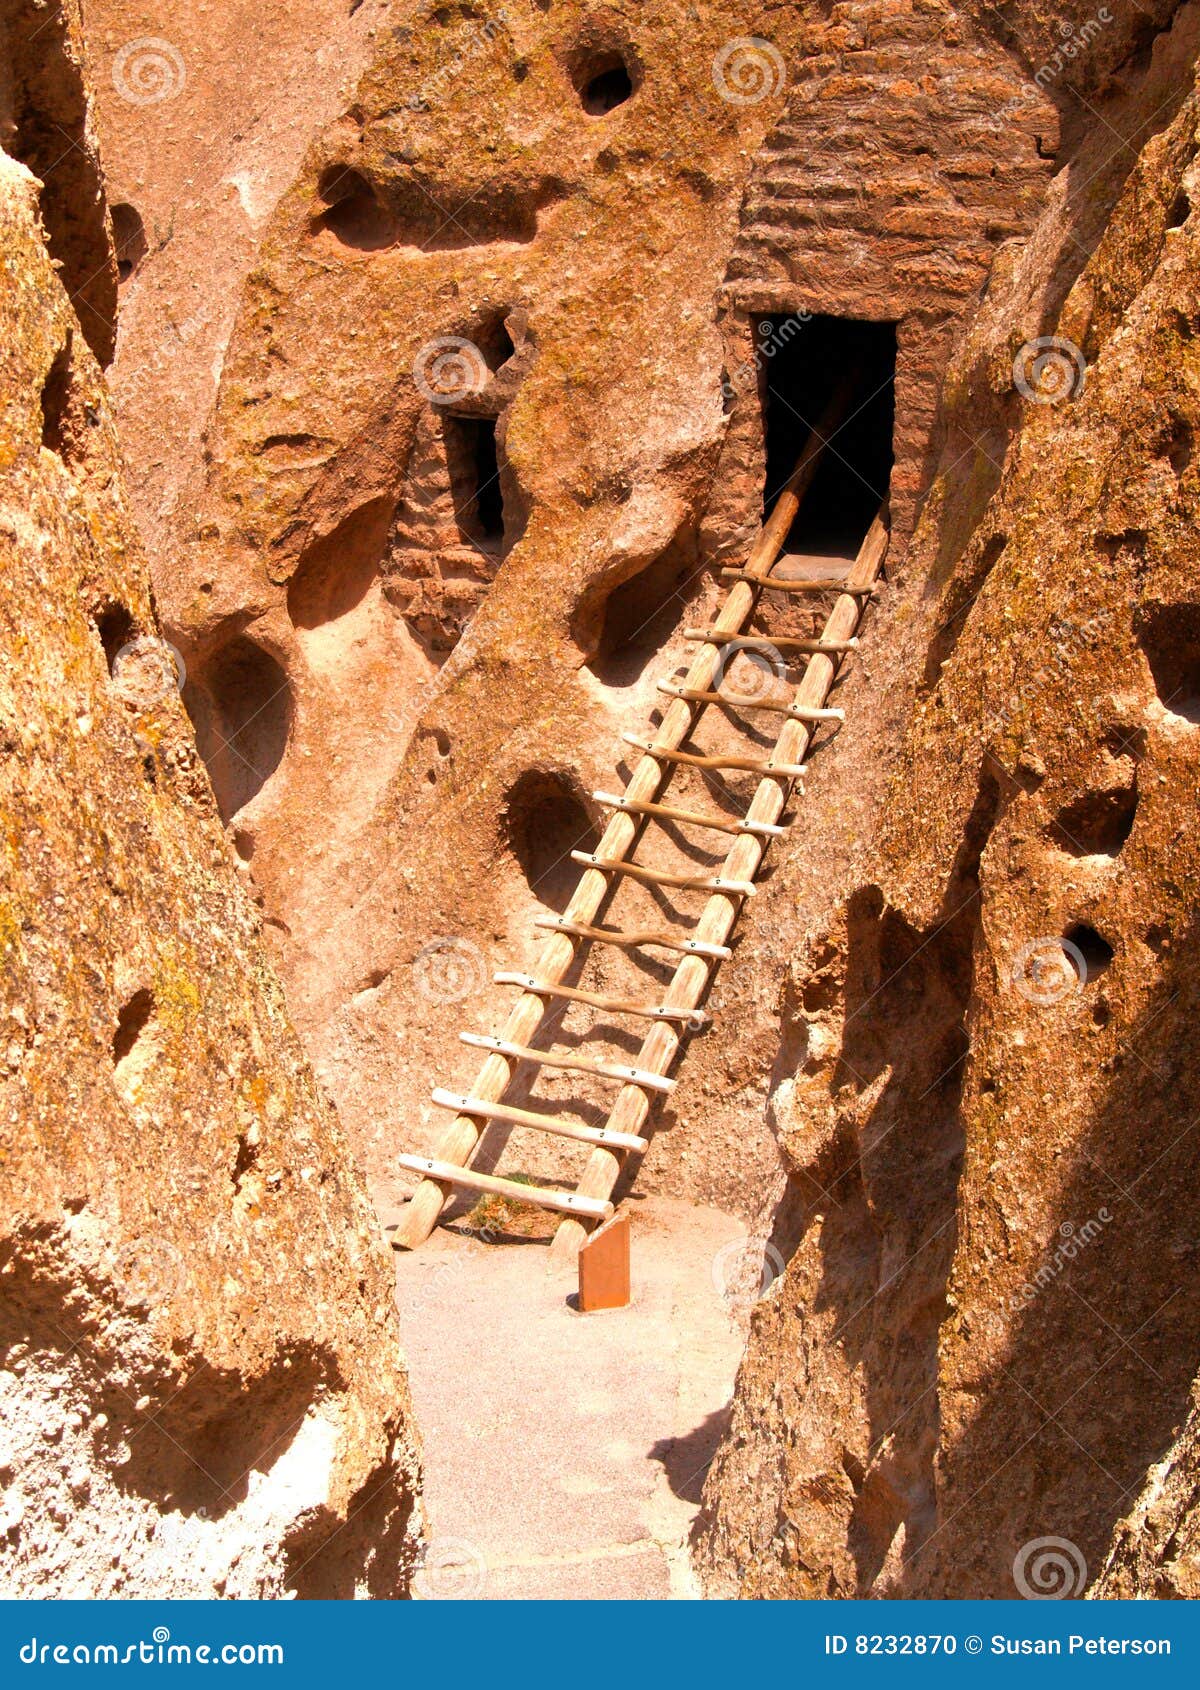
(473,457)
(1087,951)
(638,617)
(603,83)
(241,708)
(803,361)
(545,820)
(129,238)
(1169,635)
(491,334)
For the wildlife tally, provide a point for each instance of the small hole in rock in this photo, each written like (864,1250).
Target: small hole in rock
(115,627)
(1129,542)
(353,212)
(1180,211)
(603,83)
(1169,634)
(1097,824)
(1083,941)
(56,405)
(129,238)
(1180,445)
(246,1158)
(131,1024)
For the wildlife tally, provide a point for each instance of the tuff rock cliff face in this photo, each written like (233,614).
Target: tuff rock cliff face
(465,427)
(405,697)
(985,1334)
(202,1390)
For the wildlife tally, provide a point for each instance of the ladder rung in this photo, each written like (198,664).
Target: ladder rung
(721,824)
(831,584)
(736,701)
(631,941)
(540,1196)
(615,1006)
(540,1123)
(782,642)
(754,765)
(574,1064)
(660,877)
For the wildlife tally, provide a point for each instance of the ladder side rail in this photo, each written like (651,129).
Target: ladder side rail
(688,984)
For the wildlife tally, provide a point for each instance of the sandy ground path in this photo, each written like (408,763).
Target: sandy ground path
(565,1452)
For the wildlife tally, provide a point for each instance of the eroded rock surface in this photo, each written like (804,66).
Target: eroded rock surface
(985,1335)
(202,1389)
(489,421)
(417,618)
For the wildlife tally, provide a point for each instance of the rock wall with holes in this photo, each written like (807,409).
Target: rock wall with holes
(980,1327)
(912,145)
(487,423)
(202,117)
(201,1386)
(449,527)
(482,440)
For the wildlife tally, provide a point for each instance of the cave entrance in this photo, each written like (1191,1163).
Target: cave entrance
(241,709)
(473,458)
(545,820)
(803,361)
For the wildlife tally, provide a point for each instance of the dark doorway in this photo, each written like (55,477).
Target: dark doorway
(474,463)
(803,361)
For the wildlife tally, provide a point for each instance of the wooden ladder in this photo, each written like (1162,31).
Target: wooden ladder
(702,948)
